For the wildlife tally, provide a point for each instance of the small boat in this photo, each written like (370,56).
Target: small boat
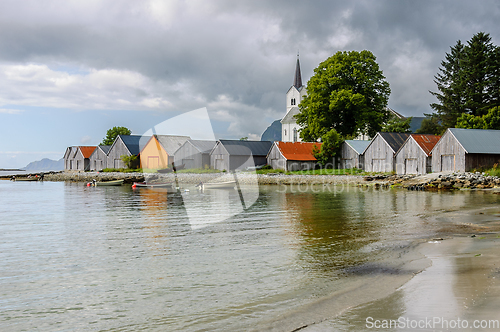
(218,185)
(105,183)
(170,170)
(26,179)
(152,185)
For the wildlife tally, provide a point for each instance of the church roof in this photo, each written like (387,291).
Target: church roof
(288,118)
(297,81)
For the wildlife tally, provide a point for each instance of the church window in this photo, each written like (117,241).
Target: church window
(292,101)
(294,135)
(285,132)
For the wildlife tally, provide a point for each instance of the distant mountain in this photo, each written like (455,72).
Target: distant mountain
(46,165)
(416,122)
(273,132)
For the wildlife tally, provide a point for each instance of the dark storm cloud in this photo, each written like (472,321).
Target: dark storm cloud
(240,56)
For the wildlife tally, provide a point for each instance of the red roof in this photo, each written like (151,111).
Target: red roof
(298,150)
(426,141)
(87,150)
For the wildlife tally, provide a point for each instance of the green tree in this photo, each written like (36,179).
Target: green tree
(112,133)
(490,120)
(130,161)
(348,92)
(451,85)
(469,121)
(331,143)
(469,81)
(478,74)
(431,125)
(397,125)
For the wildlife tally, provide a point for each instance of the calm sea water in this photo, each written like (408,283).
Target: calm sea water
(112,258)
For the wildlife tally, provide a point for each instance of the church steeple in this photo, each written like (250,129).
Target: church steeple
(297,81)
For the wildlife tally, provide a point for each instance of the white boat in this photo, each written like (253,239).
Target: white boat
(218,185)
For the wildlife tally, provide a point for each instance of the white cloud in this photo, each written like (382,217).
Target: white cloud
(10,111)
(86,139)
(38,85)
(242,118)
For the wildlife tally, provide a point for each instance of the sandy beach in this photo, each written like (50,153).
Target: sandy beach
(452,284)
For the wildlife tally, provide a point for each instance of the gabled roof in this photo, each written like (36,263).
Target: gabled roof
(87,150)
(104,148)
(358,145)
(394,140)
(68,152)
(74,151)
(426,141)
(289,115)
(201,146)
(478,140)
(131,142)
(242,148)
(300,151)
(171,143)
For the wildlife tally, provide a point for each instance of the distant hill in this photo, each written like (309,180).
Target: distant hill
(416,122)
(273,132)
(46,165)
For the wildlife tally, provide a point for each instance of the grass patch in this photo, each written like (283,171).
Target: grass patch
(122,170)
(494,171)
(199,170)
(325,171)
(270,170)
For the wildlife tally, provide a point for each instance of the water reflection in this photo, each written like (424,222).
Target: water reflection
(130,259)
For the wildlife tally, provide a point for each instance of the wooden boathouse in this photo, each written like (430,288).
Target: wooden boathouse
(461,150)
(414,156)
(379,154)
(127,145)
(99,158)
(351,154)
(239,154)
(290,156)
(194,154)
(158,152)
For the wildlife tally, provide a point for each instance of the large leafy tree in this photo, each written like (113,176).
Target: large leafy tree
(112,133)
(468,81)
(348,92)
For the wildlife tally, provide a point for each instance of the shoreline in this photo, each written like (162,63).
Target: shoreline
(455,275)
(431,181)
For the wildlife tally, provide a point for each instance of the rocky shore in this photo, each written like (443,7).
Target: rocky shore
(432,181)
(446,181)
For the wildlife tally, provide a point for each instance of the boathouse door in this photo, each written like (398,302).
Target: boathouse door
(447,162)
(411,166)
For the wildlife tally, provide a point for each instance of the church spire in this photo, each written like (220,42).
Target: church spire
(297,81)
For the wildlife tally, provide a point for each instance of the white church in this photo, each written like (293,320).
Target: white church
(289,127)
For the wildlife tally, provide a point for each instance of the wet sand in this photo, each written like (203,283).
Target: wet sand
(460,286)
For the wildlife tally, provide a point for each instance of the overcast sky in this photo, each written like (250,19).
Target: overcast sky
(70,70)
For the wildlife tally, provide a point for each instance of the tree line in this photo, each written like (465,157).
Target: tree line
(348,95)
(468,85)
